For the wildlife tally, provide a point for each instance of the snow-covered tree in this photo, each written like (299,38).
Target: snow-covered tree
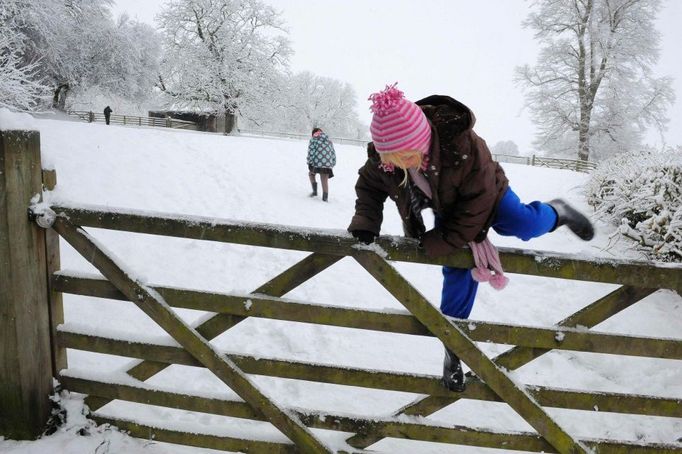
(505,147)
(121,58)
(592,92)
(20,88)
(55,33)
(325,103)
(307,101)
(130,64)
(76,45)
(126,72)
(641,193)
(221,54)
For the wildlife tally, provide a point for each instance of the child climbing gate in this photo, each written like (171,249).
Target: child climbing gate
(427,155)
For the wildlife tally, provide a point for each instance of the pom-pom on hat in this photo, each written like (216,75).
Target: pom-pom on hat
(398,124)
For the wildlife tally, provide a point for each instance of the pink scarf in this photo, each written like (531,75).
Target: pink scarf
(488,266)
(421,182)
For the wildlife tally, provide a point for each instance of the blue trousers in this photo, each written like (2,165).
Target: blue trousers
(513,218)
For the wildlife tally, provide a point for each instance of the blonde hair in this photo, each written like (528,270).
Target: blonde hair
(403,159)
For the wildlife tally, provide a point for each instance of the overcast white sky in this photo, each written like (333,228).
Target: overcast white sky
(464,49)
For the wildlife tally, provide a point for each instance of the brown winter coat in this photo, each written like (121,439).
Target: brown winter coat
(466,183)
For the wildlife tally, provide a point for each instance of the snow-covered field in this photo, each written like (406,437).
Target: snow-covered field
(265,180)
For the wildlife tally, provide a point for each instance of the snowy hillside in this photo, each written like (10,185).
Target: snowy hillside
(265,180)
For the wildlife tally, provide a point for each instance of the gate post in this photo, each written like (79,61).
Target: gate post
(25,358)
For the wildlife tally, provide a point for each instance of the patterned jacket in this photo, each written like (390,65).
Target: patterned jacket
(466,183)
(321,152)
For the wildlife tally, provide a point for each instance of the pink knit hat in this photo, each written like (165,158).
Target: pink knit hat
(398,124)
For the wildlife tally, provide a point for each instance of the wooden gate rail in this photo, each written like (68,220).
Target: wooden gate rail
(375,379)
(515,440)
(561,338)
(339,243)
(454,334)
(461,435)
(197,440)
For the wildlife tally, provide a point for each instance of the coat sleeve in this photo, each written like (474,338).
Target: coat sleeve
(369,205)
(311,151)
(476,199)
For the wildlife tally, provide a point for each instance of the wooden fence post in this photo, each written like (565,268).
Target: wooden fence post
(25,360)
(56,303)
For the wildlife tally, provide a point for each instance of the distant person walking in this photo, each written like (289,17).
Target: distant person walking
(321,159)
(107,114)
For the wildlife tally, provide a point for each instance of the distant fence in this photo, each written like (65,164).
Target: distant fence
(131,120)
(533,160)
(293,135)
(554,163)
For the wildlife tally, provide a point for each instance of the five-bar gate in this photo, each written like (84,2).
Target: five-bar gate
(489,378)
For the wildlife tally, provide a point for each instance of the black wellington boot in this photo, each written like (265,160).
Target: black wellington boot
(453,375)
(314,193)
(573,219)
(325,196)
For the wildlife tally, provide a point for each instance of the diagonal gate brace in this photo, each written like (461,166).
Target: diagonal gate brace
(457,341)
(158,310)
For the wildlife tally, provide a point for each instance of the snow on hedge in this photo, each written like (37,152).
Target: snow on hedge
(642,194)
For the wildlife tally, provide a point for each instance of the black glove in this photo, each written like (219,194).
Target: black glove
(365,236)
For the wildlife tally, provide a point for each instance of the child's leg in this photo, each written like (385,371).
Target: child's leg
(457,300)
(459,292)
(313,183)
(525,221)
(324,178)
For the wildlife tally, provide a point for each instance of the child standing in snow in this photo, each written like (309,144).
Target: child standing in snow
(426,154)
(321,159)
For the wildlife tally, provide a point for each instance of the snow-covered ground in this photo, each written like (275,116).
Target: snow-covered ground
(265,180)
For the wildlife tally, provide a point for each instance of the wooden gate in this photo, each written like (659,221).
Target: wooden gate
(490,379)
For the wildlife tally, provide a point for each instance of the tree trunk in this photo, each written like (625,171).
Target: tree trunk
(230,112)
(230,121)
(584,142)
(59,98)
(584,81)
(584,125)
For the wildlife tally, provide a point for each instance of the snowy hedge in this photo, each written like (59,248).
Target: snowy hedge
(641,193)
